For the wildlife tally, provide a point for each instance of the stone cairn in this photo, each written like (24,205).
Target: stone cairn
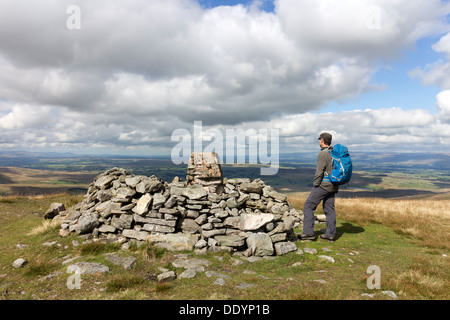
(236,215)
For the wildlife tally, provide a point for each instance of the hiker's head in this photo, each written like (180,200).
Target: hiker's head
(325,139)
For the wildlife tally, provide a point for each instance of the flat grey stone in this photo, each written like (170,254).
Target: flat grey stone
(260,244)
(250,187)
(210,274)
(88,268)
(201,244)
(49,276)
(321,281)
(166,276)
(244,285)
(70,260)
(158,200)
(174,241)
(119,223)
(126,262)
(188,274)
(138,235)
(251,221)
(193,263)
(133,181)
(194,192)
(390,294)
(103,182)
(284,247)
(253,259)
(249,272)
(87,222)
(330,259)
(219,281)
(104,228)
(310,250)
(230,241)
(143,204)
(277,196)
(49,243)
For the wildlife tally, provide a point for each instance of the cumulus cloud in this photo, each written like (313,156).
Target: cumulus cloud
(361,129)
(443,105)
(25,116)
(437,74)
(136,71)
(367,29)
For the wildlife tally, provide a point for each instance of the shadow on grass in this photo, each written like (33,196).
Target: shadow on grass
(347,228)
(340,231)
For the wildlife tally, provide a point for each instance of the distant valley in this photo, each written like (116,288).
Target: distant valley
(393,175)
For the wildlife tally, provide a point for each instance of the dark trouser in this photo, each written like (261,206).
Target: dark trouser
(316,196)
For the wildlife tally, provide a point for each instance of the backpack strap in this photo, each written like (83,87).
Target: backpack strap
(327,176)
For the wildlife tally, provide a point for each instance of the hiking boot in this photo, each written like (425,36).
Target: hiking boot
(306,237)
(325,237)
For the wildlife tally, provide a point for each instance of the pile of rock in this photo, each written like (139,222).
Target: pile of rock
(248,216)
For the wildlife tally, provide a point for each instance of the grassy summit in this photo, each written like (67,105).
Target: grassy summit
(407,240)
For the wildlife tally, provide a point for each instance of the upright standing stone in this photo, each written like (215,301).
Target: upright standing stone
(204,169)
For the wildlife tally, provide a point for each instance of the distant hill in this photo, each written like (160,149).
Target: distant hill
(390,175)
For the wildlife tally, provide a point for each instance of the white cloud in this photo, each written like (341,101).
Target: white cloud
(25,116)
(436,73)
(137,70)
(365,129)
(443,45)
(365,28)
(443,105)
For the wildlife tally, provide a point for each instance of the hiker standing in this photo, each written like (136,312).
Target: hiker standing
(322,191)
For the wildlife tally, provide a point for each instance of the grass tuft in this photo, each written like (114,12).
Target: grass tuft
(124,282)
(151,252)
(45,227)
(163,287)
(40,267)
(96,248)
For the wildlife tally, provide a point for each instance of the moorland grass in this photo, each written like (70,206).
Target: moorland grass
(391,234)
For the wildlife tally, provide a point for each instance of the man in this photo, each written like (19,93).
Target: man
(322,191)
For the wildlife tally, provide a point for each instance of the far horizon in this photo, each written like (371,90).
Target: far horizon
(373,73)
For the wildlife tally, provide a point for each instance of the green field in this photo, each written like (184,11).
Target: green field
(409,268)
(409,244)
(32,176)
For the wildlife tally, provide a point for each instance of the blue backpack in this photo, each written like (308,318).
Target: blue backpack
(342,166)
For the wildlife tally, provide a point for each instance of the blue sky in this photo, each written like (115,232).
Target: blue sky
(399,89)
(266,5)
(118,77)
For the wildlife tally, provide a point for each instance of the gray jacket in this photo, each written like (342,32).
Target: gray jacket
(324,163)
